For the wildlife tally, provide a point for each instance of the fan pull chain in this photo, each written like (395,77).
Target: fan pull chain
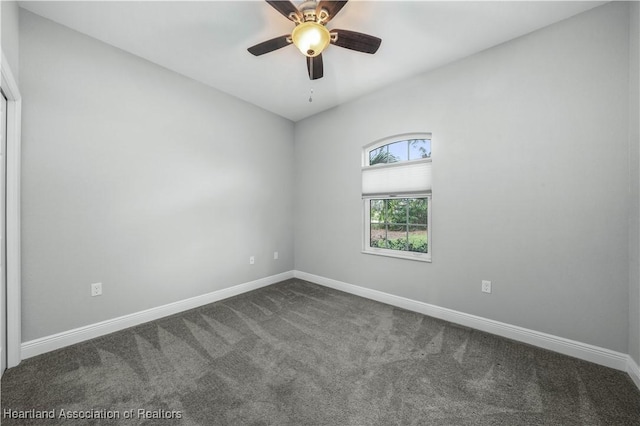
(311,95)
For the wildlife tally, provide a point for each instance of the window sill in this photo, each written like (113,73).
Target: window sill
(400,255)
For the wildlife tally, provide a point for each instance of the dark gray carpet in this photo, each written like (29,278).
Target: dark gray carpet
(296,353)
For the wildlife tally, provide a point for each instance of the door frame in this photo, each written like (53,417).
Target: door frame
(13,266)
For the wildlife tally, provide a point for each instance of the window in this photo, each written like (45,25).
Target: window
(396,193)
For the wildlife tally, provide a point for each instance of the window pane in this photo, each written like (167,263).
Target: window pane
(397,230)
(419,148)
(382,155)
(417,211)
(396,210)
(418,241)
(413,149)
(398,151)
(397,237)
(378,235)
(377,156)
(377,211)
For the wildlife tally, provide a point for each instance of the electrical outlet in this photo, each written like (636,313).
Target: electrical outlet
(96,289)
(486,286)
(275,255)
(252,260)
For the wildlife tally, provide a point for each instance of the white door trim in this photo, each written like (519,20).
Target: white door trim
(14,304)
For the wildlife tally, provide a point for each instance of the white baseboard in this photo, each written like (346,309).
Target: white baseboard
(60,340)
(561,345)
(634,371)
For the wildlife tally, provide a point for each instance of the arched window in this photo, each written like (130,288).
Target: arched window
(396,193)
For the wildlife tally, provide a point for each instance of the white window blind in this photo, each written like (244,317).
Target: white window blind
(397,178)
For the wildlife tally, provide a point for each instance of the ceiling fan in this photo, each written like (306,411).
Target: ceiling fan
(311,36)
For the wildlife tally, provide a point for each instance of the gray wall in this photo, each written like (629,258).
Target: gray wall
(634,163)
(530,178)
(134,176)
(9,35)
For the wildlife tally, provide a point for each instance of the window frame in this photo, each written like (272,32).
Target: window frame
(366,199)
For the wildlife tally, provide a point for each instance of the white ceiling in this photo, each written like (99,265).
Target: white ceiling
(208,41)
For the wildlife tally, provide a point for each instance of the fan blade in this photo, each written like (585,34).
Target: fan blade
(269,45)
(333,7)
(315,67)
(356,41)
(286,8)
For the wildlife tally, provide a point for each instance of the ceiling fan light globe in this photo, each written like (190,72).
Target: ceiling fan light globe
(310,38)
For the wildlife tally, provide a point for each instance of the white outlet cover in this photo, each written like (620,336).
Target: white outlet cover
(486,286)
(96,289)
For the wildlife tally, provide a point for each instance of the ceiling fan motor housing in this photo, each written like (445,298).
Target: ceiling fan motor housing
(308,10)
